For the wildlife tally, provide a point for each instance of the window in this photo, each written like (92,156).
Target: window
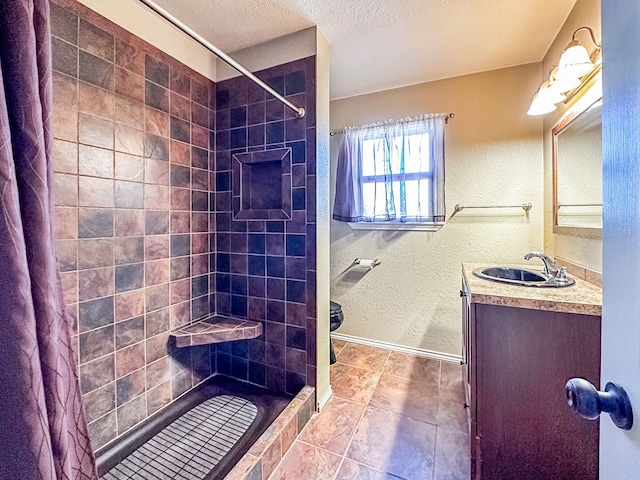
(392,173)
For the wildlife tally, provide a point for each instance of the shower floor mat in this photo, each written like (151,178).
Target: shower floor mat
(192,445)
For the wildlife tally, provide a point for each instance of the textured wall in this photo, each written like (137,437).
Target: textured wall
(577,248)
(493,156)
(265,269)
(131,162)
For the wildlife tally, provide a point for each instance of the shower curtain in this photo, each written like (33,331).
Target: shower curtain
(43,434)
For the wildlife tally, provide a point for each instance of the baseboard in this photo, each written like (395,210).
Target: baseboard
(419,352)
(324,400)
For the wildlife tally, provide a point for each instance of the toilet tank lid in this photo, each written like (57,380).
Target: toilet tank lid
(335,307)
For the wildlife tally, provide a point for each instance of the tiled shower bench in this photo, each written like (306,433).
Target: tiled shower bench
(215,329)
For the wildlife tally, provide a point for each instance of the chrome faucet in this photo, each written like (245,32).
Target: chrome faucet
(550,268)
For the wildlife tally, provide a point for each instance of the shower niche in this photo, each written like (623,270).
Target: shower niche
(262,185)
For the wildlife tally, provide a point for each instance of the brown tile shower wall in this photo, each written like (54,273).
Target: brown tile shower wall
(132,190)
(265,269)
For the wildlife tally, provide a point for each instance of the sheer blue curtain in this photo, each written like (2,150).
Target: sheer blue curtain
(392,171)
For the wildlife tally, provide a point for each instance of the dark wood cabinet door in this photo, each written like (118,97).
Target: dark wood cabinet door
(523,359)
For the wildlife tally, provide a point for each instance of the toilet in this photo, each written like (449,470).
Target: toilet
(335,320)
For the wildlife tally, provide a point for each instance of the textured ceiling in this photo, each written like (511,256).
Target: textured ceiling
(382,44)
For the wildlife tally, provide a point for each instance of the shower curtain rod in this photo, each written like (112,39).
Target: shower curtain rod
(300,112)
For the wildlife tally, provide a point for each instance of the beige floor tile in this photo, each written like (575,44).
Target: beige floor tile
(333,428)
(416,368)
(406,397)
(351,470)
(394,444)
(351,383)
(363,356)
(452,413)
(304,462)
(395,438)
(338,345)
(452,455)
(451,375)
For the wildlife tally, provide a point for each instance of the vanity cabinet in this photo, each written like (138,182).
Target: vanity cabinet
(518,361)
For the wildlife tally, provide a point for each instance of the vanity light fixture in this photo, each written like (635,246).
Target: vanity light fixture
(545,99)
(562,85)
(576,61)
(576,67)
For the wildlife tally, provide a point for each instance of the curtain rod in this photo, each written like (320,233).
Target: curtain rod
(340,132)
(300,112)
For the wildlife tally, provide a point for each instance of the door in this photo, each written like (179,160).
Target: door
(619,449)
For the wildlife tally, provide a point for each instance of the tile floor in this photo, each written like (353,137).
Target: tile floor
(392,416)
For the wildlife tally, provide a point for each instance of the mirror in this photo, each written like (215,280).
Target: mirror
(577,167)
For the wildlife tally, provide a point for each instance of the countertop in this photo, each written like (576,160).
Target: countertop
(582,298)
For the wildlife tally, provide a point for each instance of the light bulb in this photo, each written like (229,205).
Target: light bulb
(574,62)
(562,85)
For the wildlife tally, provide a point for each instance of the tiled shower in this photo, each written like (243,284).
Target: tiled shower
(147,226)
(265,269)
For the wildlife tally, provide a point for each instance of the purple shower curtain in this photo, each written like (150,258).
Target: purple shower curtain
(43,434)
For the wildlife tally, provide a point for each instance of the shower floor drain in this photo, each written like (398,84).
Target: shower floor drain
(191,446)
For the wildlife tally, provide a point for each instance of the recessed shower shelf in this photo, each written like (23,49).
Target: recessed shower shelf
(215,329)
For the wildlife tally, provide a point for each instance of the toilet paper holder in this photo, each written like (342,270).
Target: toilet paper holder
(366,263)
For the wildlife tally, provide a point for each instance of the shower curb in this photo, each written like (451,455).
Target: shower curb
(263,457)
